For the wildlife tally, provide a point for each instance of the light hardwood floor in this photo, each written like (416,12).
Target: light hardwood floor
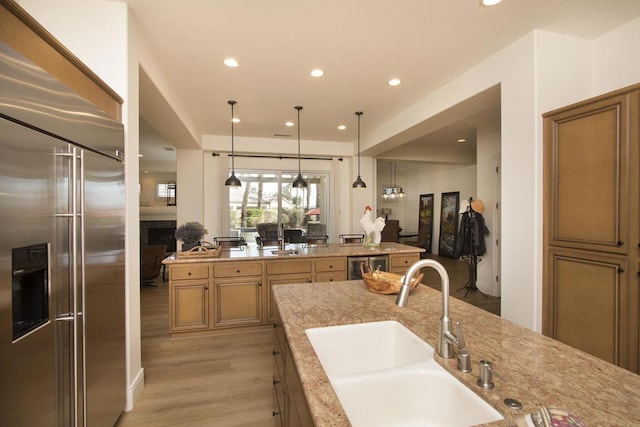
(224,380)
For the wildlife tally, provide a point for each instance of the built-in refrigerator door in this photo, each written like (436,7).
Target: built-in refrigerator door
(29,186)
(57,190)
(104,293)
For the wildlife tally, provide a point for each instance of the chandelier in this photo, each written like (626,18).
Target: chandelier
(392,191)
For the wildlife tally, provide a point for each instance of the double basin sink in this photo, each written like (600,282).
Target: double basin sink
(384,374)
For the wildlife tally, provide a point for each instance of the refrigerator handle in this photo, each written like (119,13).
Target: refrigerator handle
(67,317)
(82,286)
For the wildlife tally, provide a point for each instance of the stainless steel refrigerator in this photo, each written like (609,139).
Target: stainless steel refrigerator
(62,334)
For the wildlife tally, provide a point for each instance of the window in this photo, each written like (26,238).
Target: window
(270,197)
(162,190)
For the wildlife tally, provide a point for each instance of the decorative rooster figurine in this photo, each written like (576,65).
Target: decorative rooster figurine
(372,227)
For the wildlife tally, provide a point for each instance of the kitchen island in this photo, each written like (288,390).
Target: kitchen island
(539,371)
(232,292)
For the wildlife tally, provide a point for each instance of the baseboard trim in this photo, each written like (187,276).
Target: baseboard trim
(134,391)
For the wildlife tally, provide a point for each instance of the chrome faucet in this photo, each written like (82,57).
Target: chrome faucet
(281,242)
(446,338)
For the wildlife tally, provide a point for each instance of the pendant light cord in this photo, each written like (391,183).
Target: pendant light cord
(359,113)
(233,163)
(299,168)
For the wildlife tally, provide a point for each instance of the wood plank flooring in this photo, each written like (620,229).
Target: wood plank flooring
(223,380)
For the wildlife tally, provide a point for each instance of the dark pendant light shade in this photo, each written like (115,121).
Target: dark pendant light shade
(299,181)
(232,181)
(359,183)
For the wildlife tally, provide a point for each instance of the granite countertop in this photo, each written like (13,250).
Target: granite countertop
(539,371)
(252,252)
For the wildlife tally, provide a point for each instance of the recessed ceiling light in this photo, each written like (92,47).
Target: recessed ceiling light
(235,120)
(140,155)
(289,124)
(394,82)
(146,171)
(230,62)
(461,140)
(490,2)
(317,72)
(342,127)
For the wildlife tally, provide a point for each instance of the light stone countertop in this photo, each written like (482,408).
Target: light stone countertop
(252,252)
(539,371)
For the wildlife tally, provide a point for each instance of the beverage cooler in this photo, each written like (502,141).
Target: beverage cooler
(373,262)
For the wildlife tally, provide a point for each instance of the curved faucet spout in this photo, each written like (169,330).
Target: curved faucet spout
(446,336)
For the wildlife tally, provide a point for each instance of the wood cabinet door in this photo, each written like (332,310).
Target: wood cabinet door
(189,305)
(238,301)
(282,279)
(586,173)
(586,303)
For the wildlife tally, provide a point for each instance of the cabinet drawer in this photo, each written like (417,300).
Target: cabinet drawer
(335,276)
(331,264)
(238,270)
(404,261)
(189,272)
(287,267)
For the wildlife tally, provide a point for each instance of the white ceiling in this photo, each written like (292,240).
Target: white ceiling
(360,44)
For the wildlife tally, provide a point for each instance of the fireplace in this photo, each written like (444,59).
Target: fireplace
(158,233)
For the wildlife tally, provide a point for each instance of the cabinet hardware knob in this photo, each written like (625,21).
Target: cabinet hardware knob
(620,243)
(331,280)
(275,325)
(276,382)
(638,273)
(620,270)
(275,352)
(275,414)
(189,274)
(238,271)
(331,266)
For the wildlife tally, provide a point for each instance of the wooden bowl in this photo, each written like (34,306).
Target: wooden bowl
(382,282)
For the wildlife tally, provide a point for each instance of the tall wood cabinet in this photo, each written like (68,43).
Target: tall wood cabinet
(591,226)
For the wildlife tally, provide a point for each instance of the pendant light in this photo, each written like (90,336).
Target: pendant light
(299,182)
(232,181)
(392,192)
(359,183)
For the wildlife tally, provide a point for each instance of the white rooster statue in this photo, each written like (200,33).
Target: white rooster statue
(372,228)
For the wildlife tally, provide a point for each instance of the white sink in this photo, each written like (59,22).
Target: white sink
(384,374)
(365,347)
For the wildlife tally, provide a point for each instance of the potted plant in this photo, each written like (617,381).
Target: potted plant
(190,233)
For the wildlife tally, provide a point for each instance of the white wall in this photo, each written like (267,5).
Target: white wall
(190,173)
(488,152)
(616,58)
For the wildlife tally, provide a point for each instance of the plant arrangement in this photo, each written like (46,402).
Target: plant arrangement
(190,232)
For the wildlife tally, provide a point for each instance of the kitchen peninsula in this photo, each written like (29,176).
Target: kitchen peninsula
(226,294)
(538,371)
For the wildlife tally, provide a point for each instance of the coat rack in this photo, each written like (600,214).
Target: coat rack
(470,244)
